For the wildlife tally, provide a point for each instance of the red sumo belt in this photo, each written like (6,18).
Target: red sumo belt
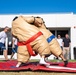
(27,43)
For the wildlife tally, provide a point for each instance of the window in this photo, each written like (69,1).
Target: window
(53,31)
(62,33)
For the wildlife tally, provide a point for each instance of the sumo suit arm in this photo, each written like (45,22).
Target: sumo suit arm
(32,20)
(29,20)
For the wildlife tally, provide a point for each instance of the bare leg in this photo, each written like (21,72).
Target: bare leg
(62,57)
(5,54)
(12,55)
(65,61)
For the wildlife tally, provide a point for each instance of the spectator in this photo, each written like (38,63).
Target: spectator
(14,47)
(66,46)
(60,41)
(3,46)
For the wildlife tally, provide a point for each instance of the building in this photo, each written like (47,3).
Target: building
(58,23)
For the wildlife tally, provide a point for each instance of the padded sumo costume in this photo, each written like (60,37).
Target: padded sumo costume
(29,37)
(53,43)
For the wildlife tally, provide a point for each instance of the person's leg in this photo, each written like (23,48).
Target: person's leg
(22,56)
(64,52)
(63,56)
(13,52)
(65,60)
(5,54)
(12,55)
(16,47)
(67,53)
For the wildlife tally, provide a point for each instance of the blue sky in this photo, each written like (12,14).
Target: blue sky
(37,6)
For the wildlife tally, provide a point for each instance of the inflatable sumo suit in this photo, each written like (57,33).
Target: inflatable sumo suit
(30,38)
(53,43)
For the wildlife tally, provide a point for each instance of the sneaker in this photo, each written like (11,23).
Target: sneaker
(44,63)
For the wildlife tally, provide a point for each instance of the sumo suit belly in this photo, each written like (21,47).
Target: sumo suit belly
(23,31)
(54,45)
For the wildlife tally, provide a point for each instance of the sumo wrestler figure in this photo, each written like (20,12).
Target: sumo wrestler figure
(53,43)
(29,39)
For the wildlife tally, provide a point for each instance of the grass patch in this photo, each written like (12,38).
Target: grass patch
(2,60)
(37,60)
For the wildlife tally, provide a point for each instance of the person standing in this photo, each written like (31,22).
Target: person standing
(3,46)
(14,47)
(60,41)
(66,46)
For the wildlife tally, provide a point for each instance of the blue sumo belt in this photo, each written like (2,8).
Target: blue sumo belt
(50,38)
